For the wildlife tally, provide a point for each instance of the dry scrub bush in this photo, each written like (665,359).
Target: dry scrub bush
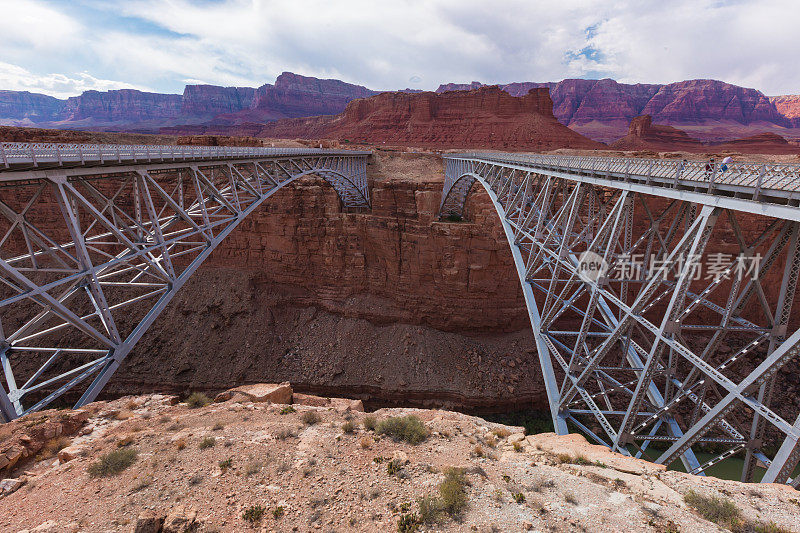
(197,399)
(208,442)
(113,463)
(311,417)
(403,428)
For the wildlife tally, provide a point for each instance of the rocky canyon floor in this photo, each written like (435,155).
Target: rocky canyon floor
(266,459)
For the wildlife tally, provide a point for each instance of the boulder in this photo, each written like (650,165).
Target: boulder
(310,399)
(266,392)
(71,452)
(149,522)
(9,485)
(180,519)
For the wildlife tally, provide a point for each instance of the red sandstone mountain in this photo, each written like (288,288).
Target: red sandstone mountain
(602,109)
(789,107)
(644,135)
(710,110)
(486,117)
(291,96)
(763,143)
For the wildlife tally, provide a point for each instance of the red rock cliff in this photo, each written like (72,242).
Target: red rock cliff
(486,117)
(644,135)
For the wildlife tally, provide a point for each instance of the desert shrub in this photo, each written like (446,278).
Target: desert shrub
(501,433)
(197,399)
(287,410)
(715,509)
(226,464)
(431,509)
(453,491)
(112,463)
(254,513)
(478,451)
(408,523)
(403,428)
(369,423)
(365,441)
(207,442)
(311,417)
(348,427)
(517,446)
(277,512)
(570,498)
(393,467)
(253,467)
(518,497)
(285,433)
(218,426)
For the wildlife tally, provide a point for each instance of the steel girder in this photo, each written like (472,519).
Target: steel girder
(93,248)
(666,361)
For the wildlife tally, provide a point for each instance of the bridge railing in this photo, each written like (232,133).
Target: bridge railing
(758,176)
(16,156)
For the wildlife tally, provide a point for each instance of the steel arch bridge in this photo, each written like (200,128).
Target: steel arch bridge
(639,346)
(95,240)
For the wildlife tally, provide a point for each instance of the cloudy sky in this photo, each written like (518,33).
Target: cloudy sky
(62,47)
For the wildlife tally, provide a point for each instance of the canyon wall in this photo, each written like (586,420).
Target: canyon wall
(389,305)
(602,109)
(483,118)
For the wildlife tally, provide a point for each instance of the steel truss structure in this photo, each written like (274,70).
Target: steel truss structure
(657,357)
(95,240)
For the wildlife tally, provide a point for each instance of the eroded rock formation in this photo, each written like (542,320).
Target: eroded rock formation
(644,135)
(485,117)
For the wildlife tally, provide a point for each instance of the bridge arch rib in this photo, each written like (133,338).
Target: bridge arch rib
(96,240)
(644,356)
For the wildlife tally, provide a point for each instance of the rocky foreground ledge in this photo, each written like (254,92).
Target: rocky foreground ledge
(262,458)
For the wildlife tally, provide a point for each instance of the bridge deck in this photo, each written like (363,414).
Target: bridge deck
(36,156)
(775,183)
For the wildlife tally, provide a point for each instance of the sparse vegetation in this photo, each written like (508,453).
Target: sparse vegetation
(277,512)
(370,422)
(408,523)
(453,491)
(403,428)
(285,433)
(226,464)
(349,427)
(311,417)
(501,433)
(288,410)
(393,467)
(112,463)
(218,427)
(570,498)
(478,451)
(719,510)
(518,497)
(517,446)
(365,441)
(253,467)
(207,442)
(254,513)
(197,399)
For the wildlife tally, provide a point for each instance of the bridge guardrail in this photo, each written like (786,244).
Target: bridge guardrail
(20,156)
(758,176)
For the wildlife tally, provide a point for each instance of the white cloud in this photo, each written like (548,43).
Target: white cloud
(15,78)
(384,45)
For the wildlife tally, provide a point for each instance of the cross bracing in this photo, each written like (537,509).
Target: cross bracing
(95,240)
(660,295)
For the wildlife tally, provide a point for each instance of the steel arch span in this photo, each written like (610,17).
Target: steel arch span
(660,296)
(95,240)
